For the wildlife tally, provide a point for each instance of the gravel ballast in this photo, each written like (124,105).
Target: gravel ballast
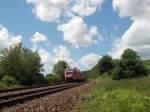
(62,101)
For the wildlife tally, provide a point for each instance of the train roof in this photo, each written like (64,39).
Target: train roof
(70,69)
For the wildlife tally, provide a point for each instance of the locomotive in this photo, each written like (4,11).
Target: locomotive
(73,74)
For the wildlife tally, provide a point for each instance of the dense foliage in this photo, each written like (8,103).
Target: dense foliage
(22,64)
(106,64)
(59,69)
(130,66)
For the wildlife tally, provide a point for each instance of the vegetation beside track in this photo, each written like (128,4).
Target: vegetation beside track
(20,66)
(107,95)
(121,85)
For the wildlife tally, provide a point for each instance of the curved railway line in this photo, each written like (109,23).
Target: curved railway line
(11,97)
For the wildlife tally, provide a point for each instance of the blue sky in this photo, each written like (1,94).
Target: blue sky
(18,18)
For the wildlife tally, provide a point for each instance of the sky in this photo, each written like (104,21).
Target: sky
(77,31)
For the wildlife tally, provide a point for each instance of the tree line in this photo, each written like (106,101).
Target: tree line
(129,65)
(22,66)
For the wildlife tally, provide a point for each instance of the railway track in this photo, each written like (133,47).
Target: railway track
(17,89)
(9,98)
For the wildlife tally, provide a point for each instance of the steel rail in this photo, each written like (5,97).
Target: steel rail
(24,88)
(9,100)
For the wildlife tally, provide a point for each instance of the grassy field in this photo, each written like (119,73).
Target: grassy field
(107,95)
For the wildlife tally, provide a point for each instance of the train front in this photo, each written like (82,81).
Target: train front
(68,75)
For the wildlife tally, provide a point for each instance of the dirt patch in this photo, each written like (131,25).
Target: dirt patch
(59,102)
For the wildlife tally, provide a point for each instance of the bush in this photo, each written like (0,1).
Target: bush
(53,79)
(3,85)
(8,81)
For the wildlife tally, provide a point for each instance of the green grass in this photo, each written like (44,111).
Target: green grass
(107,95)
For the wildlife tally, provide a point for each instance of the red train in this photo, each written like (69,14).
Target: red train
(73,74)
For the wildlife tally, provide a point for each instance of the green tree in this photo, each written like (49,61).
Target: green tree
(31,67)
(106,64)
(59,68)
(22,63)
(10,61)
(130,65)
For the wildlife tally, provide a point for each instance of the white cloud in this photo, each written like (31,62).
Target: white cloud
(38,37)
(136,9)
(8,39)
(49,10)
(62,53)
(86,7)
(137,36)
(89,60)
(77,32)
(46,60)
(53,10)
(58,53)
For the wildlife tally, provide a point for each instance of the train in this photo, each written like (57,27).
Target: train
(73,74)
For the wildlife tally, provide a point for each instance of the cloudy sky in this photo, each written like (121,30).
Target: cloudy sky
(77,31)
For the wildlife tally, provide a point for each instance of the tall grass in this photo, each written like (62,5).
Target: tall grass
(107,95)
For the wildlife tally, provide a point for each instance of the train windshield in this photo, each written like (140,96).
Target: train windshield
(69,72)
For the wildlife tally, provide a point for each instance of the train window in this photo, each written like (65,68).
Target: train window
(68,72)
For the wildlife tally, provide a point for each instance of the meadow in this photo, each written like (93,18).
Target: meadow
(107,95)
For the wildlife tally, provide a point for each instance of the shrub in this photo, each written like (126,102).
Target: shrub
(3,85)
(9,81)
(53,79)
